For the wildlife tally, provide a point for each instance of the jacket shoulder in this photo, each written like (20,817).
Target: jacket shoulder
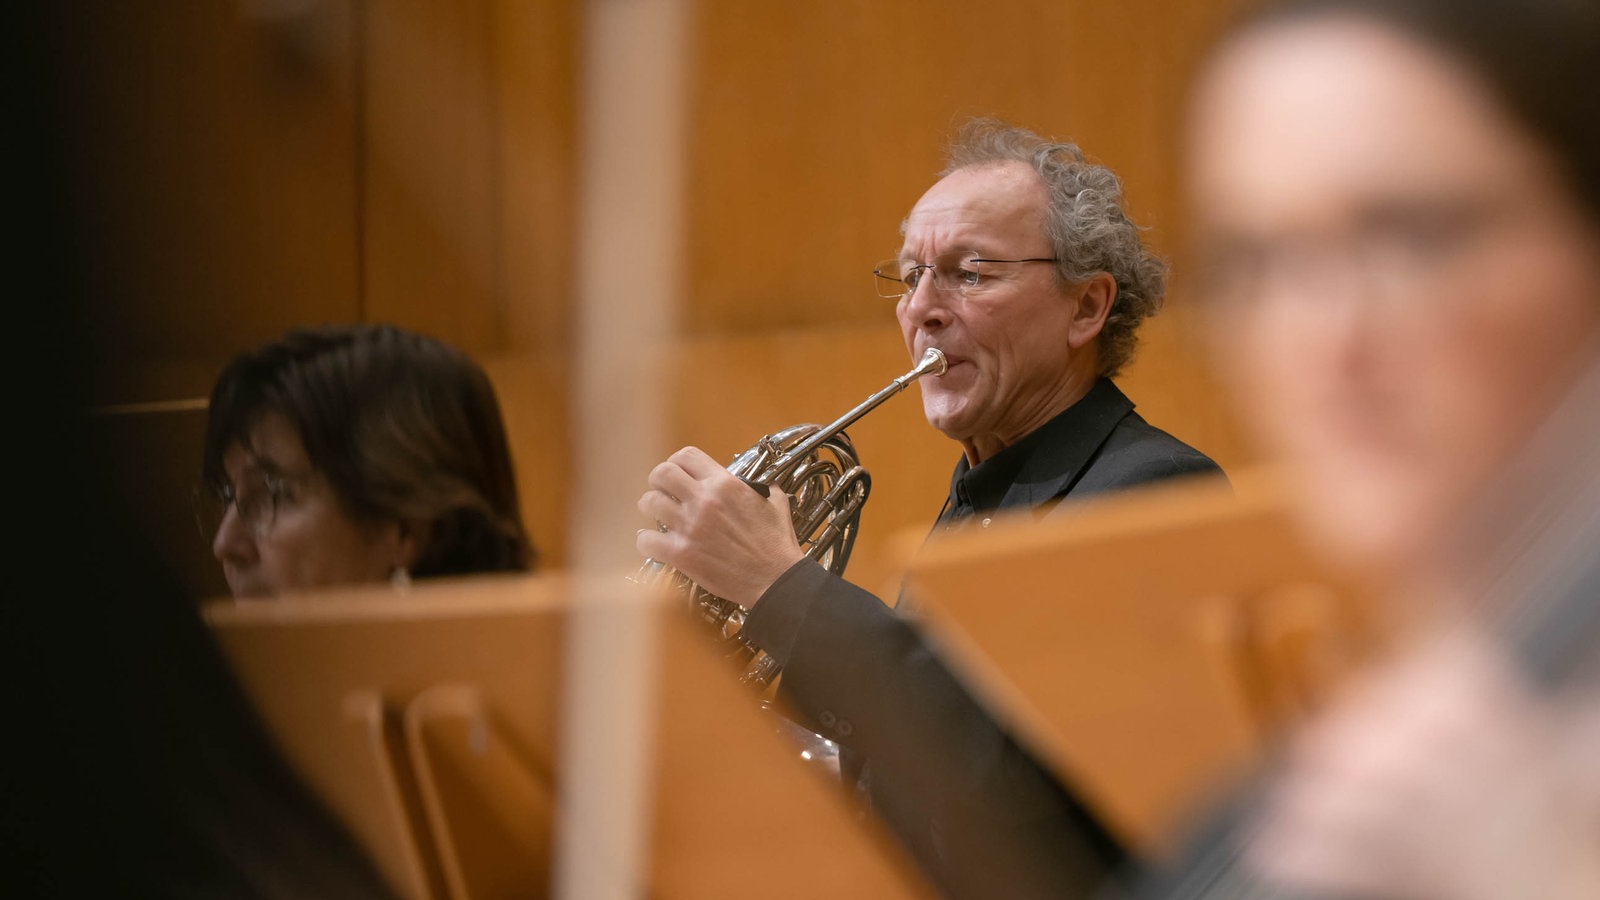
(1137,452)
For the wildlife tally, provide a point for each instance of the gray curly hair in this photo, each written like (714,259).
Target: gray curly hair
(1087,228)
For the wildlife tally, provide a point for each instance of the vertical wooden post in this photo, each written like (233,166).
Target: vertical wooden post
(630,274)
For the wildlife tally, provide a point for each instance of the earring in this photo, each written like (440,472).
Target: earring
(400,578)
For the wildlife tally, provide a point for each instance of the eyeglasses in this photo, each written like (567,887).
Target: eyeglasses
(957,271)
(1407,249)
(257,501)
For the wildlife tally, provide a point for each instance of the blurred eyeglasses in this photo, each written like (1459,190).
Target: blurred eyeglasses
(256,499)
(957,271)
(1404,249)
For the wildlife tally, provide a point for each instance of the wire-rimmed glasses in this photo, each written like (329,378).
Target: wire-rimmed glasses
(956,271)
(256,499)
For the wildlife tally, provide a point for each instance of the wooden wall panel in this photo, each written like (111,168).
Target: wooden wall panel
(431,245)
(213,158)
(536,51)
(815,133)
(468,170)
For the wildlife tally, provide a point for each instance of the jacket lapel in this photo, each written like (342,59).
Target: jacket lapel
(1069,449)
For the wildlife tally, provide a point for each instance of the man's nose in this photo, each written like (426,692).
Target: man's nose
(926,306)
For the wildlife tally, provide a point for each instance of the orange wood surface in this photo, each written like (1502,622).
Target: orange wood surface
(1148,645)
(473,671)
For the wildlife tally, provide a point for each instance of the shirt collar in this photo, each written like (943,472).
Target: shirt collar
(1044,463)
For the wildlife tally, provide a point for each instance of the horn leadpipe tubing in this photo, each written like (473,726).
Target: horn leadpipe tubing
(933,363)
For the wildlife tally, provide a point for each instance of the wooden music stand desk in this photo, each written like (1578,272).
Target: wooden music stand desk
(1144,647)
(428,722)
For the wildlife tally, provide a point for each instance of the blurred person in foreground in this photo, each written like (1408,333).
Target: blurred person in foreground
(344,455)
(1398,213)
(1022,266)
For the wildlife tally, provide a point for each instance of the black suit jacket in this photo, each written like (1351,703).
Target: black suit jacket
(980,814)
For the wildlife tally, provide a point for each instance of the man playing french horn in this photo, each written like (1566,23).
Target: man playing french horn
(1020,265)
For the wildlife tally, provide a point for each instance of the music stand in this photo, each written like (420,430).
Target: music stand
(1145,646)
(428,722)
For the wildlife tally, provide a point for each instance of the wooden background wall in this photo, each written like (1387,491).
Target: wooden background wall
(249,166)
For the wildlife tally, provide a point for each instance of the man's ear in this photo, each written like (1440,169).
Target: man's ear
(1093,299)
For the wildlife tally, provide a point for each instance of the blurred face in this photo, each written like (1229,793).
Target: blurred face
(1007,339)
(1400,285)
(293,534)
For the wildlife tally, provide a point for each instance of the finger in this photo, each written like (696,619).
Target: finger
(779,499)
(659,507)
(670,479)
(654,544)
(697,464)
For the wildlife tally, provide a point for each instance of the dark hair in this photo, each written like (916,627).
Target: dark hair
(1539,58)
(403,426)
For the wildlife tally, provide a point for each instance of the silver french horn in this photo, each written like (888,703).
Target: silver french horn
(817,468)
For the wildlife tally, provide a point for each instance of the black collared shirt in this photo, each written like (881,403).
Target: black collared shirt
(1037,470)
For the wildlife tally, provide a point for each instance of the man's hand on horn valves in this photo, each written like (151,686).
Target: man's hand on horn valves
(713,528)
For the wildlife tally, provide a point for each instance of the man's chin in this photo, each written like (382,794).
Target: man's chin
(947,421)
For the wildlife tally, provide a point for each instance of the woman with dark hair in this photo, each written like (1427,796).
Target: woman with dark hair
(1397,212)
(347,455)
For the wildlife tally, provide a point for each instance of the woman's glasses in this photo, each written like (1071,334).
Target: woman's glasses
(256,499)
